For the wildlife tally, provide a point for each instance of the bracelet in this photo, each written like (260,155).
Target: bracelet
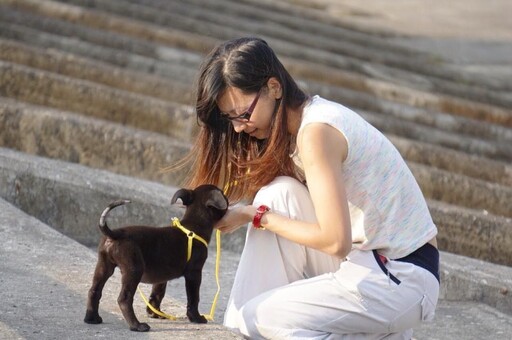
(256,221)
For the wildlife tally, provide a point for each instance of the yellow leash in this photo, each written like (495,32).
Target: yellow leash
(191,236)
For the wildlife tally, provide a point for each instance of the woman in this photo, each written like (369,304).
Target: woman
(341,243)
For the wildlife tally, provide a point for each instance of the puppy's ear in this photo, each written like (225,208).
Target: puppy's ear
(186,196)
(217,200)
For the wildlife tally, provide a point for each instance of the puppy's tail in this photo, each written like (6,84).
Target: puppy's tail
(113,234)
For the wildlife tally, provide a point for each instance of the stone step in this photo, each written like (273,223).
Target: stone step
(436,119)
(454,105)
(454,161)
(84,90)
(317,18)
(463,191)
(99,37)
(286,48)
(472,233)
(429,66)
(499,151)
(96,143)
(106,54)
(506,116)
(404,94)
(96,100)
(74,66)
(177,92)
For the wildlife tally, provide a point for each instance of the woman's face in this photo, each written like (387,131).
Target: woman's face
(234,103)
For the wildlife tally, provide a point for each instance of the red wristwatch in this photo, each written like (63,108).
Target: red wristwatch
(256,221)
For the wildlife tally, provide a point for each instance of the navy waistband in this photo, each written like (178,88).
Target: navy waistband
(427,257)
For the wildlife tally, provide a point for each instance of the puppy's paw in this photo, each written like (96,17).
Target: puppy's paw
(152,314)
(141,327)
(92,319)
(196,318)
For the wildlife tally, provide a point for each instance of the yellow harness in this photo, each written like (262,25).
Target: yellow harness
(191,236)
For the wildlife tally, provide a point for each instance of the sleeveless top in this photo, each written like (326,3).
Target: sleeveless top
(388,211)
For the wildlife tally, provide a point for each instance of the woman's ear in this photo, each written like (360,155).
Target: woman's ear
(274,87)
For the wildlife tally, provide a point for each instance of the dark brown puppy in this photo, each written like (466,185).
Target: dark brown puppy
(156,255)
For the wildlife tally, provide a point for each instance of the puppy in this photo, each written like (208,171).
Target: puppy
(156,255)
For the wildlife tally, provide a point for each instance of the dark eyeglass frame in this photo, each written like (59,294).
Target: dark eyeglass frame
(244,117)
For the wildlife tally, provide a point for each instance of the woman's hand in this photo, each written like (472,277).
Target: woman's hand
(235,218)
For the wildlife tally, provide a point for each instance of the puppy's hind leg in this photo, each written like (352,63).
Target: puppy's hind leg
(131,272)
(104,270)
(157,294)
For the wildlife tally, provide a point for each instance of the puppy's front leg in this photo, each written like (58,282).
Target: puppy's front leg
(155,299)
(192,285)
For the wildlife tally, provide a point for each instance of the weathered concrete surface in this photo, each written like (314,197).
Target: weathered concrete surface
(74,66)
(71,197)
(287,42)
(100,144)
(398,93)
(96,100)
(454,161)
(463,191)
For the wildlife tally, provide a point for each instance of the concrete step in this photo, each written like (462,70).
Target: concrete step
(93,70)
(104,38)
(57,28)
(287,48)
(401,93)
(463,191)
(106,54)
(96,143)
(326,73)
(457,162)
(496,150)
(96,100)
(473,233)
(317,17)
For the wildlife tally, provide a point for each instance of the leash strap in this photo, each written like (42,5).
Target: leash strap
(153,309)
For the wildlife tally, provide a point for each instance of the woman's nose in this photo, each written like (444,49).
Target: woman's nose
(239,126)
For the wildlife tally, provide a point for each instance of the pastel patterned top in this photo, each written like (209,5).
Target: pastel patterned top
(388,211)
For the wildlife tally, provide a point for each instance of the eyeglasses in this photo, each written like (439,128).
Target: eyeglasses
(244,116)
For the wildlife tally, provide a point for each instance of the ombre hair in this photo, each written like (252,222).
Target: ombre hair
(237,162)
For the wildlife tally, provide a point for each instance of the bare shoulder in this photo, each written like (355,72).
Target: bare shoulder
(322,140)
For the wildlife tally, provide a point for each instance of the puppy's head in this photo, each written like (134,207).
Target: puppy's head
(206,202)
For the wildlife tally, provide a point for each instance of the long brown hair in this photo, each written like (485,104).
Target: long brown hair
(236,161)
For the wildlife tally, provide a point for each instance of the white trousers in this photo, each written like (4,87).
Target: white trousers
(283,290)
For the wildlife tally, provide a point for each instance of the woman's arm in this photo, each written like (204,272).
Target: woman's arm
(322,149)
